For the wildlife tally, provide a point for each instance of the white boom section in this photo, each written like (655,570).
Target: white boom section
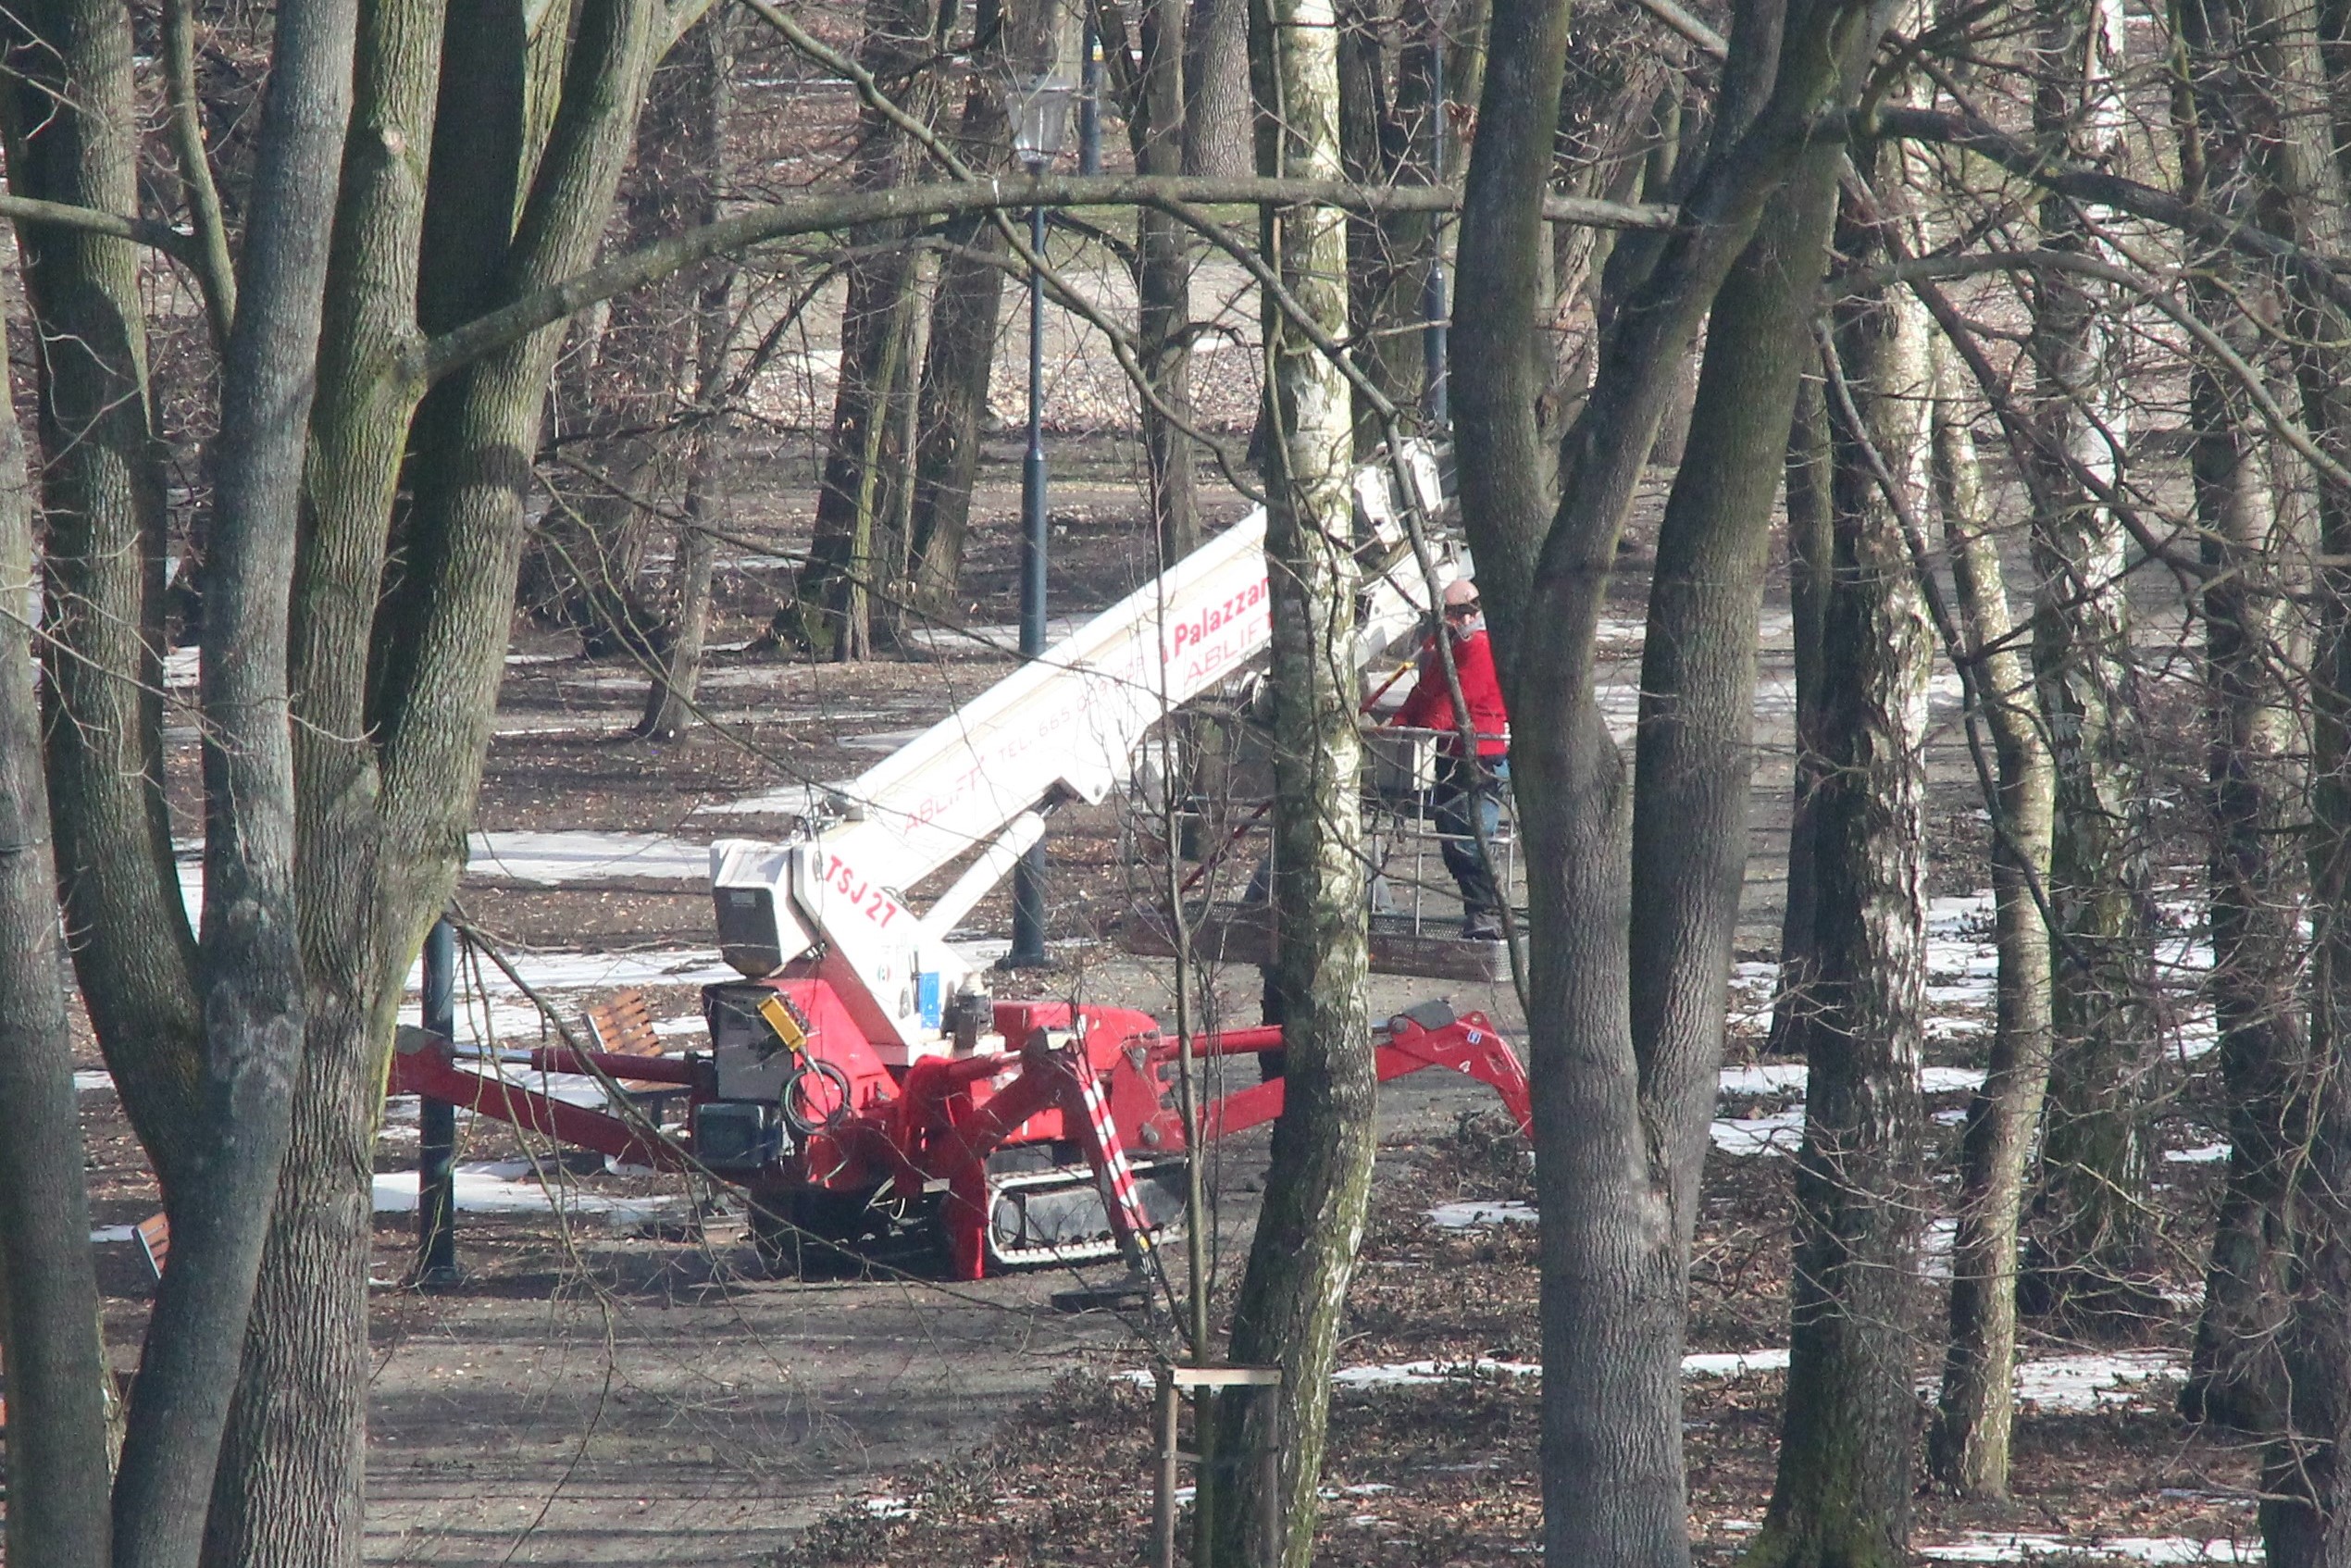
(1068,724)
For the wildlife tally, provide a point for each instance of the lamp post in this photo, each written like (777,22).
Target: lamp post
(1089,100)
(1037,139)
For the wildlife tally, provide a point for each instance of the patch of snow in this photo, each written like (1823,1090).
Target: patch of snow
(1950,1081)
(1467,1216)
(516,660)
(2096,1380)
(105,1234)
(1733,1363)
(84,1082)
(547,859)
(1779,1133)
(1396,1374)
(880,740)
(1995,1546)
(2202,1154)
(511,727)
(1935,1250)
(1765,1077)
(890,1508)
(183,667)
(491,1189)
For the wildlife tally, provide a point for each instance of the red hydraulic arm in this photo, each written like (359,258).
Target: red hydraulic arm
(1467,1044)
(426,1064)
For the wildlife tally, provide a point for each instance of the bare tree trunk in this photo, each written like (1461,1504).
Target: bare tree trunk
(1382,90)
(669,697)
(669,700)
(1846,1440)
(1293,1297)
(58,1476)
(1810,557)
(2305,1510)
(73,126)
(1969,1445)
(960,358)
(250,972)
(855,551)
(1621,1110)
(1218,112)
(2255,783)
(1162,136)
(398,689)
(585,566)
(2095,1220)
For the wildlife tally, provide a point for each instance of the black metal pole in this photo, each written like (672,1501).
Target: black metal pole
(1028,877)
(437,1124)
(1433,306)
(1090,101)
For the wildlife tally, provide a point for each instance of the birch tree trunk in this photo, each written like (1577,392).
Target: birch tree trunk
(1810,558)
(1293,1296)
(1847,1440)
(1970,1443)
(58,1474)
(2095,1222)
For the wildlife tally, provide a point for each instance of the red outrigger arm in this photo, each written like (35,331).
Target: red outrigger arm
(426,1064)
(1467,1044)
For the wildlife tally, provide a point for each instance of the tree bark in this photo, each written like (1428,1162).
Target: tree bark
(1846,1438)
(1810,555)
(1970,1443)
(410,676)
(1162,135)
(670,699)
(1620,1120)
(670,695)
(1293,1297)
(59,1476)
(72,128)
(2096,1223)
(2253,785)
(959,360)
(1218,111)
(586,566)
(250,974)
(854,553)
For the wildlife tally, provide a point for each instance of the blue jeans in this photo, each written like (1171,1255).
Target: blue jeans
(1464,787)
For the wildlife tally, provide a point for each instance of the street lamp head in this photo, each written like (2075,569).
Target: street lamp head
(1043,118)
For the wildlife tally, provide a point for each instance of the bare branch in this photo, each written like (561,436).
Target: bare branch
(215,270)
(847,209)
(88,221)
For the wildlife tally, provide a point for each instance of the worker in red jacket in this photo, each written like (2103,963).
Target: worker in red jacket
(1466,784)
